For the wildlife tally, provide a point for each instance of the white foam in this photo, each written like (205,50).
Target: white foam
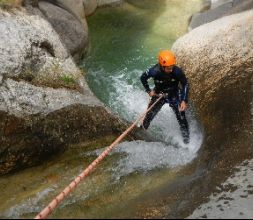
(133,101)
(145,156)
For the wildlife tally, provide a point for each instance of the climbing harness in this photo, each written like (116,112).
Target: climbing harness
(58,199)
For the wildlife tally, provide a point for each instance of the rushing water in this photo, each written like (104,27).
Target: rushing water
(124,42)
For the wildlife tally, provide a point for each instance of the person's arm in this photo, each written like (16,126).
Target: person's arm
(185,92)
(144,79)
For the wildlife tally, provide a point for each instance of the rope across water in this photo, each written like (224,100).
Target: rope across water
(58,199)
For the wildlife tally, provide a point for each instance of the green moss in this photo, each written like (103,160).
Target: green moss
(69,80)
(8,4)
(5,2)
(54,77)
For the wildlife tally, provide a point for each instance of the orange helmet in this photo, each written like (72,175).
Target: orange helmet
(166,58)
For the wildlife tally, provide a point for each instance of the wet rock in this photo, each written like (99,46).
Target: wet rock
(89,6)
(23,99)
(217,3)
(229,204)
(27,141)
(220,9)
(68,18)
(35,46)
(33,3)
(69,21)
(108,2)
(36,53)
(76,7)
(45,102)
(218,60)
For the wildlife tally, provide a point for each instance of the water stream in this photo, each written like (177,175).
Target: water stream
(125,41)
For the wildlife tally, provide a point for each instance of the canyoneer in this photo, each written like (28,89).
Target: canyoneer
(171,82)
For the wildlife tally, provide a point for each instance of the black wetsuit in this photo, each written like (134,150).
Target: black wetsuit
(168,83)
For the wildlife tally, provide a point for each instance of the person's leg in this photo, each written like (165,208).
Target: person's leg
(152,113)
(183,123)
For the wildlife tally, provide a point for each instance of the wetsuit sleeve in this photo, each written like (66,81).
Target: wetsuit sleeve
(144,79)
(185,87)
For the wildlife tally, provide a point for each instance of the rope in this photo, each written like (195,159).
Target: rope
(58,199)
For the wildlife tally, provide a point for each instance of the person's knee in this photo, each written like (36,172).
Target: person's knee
(145,124)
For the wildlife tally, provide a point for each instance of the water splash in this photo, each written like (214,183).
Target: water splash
(141,156)
(131,101)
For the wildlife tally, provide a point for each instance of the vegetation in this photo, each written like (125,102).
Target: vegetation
(10,3)
(53,76)
(68,79)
